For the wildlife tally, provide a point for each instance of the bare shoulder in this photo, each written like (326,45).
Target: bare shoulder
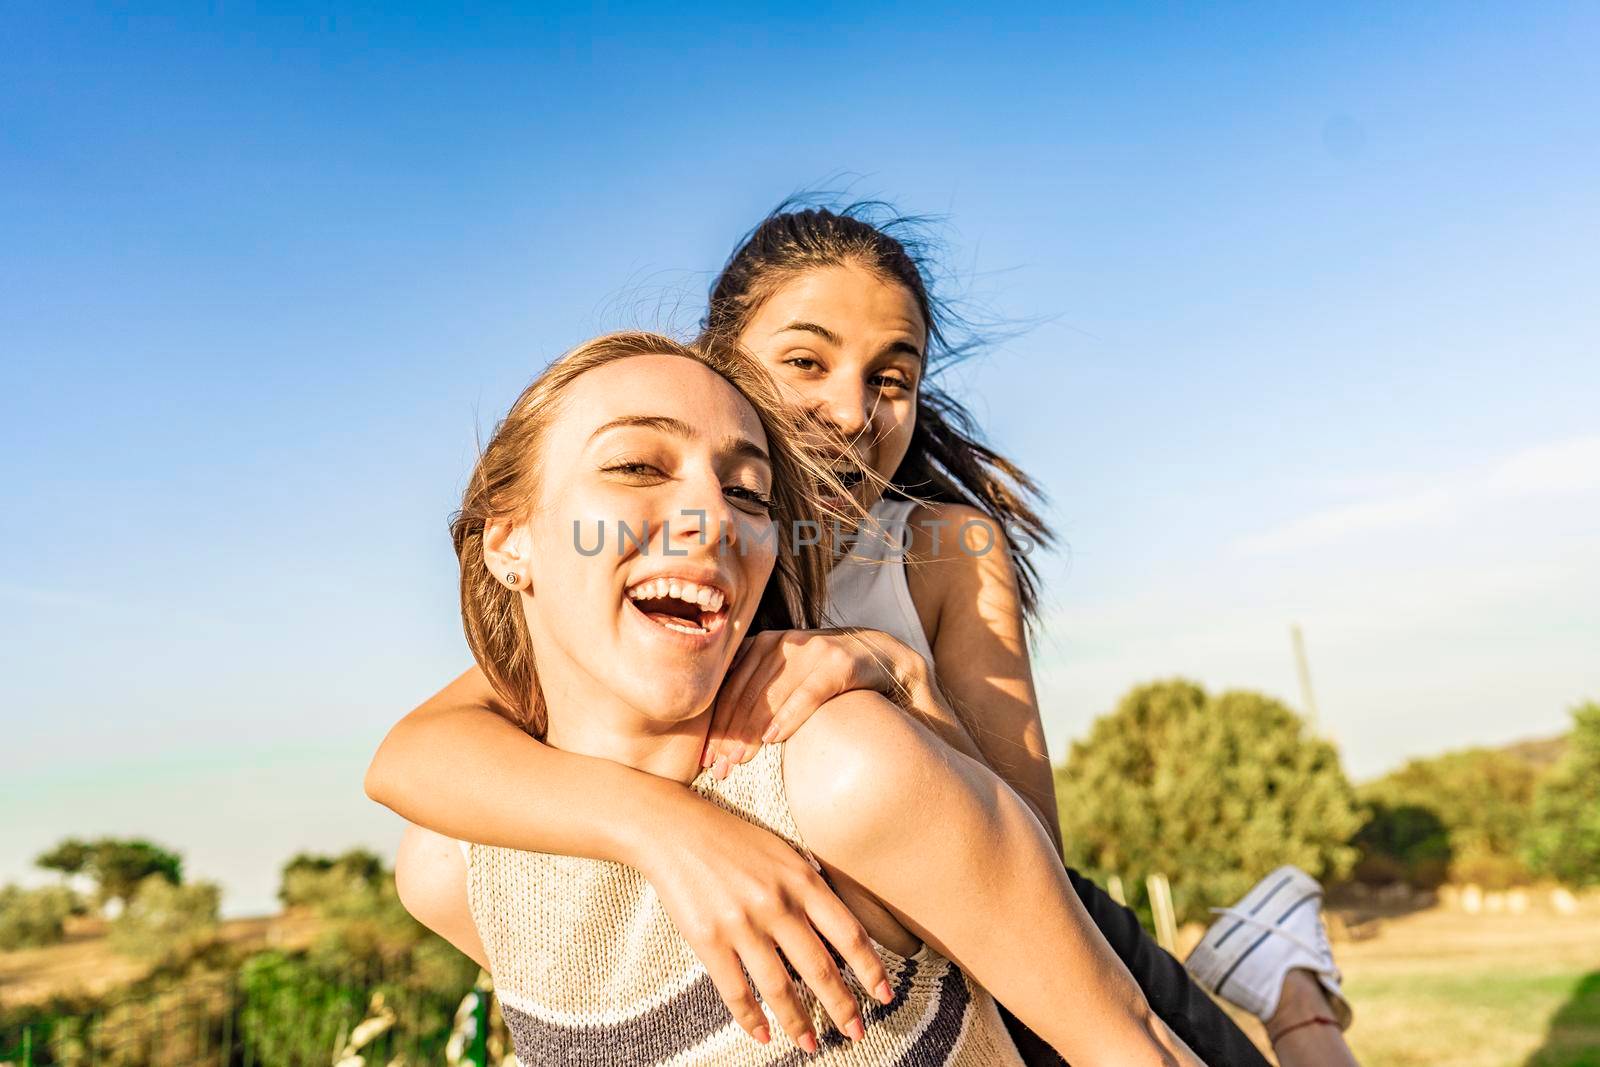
(858,764)
(951,532)
(958,558)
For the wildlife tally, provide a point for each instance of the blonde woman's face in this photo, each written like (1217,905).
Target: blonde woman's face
(652,537)
(847,348)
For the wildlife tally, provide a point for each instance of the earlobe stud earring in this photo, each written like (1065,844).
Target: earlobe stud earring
(511,579)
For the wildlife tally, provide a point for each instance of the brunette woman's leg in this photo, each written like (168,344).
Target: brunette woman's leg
(1180,1003)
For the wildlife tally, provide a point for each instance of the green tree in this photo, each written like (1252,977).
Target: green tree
(118,867)
(33,917)
(1481,798)
(1563,838)
(1213,792)
(70,857)
(164,921)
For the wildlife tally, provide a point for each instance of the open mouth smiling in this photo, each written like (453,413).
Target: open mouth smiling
(681,605)
(848,473)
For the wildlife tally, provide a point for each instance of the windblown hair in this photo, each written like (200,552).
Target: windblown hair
(504,486)
(948,461)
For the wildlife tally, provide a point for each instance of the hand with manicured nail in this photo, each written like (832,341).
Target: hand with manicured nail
(745,901)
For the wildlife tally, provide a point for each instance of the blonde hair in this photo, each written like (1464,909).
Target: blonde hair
(504,484)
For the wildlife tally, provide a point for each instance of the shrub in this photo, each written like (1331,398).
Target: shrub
(33,917)
(1213,792)
(165,921)
(1462,815)
(310,880)
(1403,843)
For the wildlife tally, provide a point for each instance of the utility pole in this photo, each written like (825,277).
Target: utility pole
(1308,702)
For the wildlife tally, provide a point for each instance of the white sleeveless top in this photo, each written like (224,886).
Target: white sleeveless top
(867,586)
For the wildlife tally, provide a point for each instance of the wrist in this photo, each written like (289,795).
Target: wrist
(915,681)
(636,839)
(909,677)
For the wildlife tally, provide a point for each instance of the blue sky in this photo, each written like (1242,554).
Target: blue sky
(1314,340)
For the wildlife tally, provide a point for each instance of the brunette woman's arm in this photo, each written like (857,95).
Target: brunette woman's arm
(456,767)
(963,581)
(958,859)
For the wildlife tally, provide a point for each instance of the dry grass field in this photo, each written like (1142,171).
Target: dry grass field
(85,963)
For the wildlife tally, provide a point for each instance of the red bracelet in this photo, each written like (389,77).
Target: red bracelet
(1315,1020)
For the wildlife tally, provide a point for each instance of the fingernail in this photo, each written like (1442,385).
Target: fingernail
(808,1041)
(885,994)
(772,732)
(854,1030)
(721,767)
(762,1034)
(705,758)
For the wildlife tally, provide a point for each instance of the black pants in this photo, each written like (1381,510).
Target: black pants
(1180,1003)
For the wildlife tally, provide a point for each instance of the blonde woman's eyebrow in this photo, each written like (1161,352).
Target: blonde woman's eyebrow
(664,423)
(732,445)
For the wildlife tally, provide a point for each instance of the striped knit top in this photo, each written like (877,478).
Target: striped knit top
(589,969)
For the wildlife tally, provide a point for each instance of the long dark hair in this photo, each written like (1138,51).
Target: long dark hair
(948,461)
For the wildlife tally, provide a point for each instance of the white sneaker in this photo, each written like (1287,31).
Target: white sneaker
(1253,946)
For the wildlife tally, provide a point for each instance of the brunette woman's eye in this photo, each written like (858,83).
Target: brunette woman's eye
(801,363)
(891,381)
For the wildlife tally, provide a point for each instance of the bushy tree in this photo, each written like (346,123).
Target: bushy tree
(166,921)
(1563,839)
(1481,798)
(70,857)
(117,866)
(33,917)
(1213,792)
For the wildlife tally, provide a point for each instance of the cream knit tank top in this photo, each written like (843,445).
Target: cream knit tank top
(589,969)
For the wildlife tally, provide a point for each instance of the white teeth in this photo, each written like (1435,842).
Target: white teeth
(704,597)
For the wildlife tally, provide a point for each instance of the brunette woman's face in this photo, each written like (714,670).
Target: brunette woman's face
(663,464)
(847,346)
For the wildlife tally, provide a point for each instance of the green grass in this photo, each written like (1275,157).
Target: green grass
(1457,992)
